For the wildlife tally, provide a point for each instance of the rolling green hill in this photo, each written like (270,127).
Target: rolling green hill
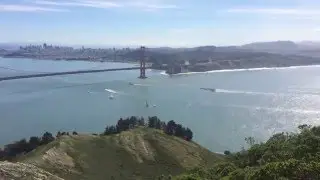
(162,151)
(141,153)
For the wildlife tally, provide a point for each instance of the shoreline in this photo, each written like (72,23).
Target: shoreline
(176,74)
(240,70)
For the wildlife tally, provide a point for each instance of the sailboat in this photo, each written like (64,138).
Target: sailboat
(147,105)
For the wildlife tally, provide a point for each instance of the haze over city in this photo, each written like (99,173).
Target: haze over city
(158,22)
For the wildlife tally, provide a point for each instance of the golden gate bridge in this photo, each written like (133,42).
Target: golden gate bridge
(142,68)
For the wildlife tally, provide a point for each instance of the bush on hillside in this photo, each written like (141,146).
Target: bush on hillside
(170,128)
(178,130)
(284,156)
(59,134)
(226,152)
(155,122)
(23,146)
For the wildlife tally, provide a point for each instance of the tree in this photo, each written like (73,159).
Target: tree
(304,126)
(180,131)
(74,133)
(154,122)
(34,142)
(107,131)
(46,138)
(22,146)
(133,121)
(2,155)
(58,134)
(289,169)
(163,126)
(157,123)
(151,122)
(121,125)
(141,122)
(16,148)
(171,128)
(226,152)
(188,134)
(110,130)
(250,141)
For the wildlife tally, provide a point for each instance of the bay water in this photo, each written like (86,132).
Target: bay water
(256,102)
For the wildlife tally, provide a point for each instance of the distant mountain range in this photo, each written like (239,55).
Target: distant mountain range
(304,48)
(310,43)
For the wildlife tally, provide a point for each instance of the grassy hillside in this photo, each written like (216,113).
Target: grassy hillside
(149,153)
(141,153)
(23,171)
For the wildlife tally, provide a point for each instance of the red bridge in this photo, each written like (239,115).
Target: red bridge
(142,68)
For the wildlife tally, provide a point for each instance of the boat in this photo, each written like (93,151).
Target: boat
(111,97)
(209,89)
(130,83)
(147,105)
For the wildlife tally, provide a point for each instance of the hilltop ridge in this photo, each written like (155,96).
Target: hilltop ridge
(140,153)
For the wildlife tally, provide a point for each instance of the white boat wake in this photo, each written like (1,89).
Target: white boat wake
(239,70)
(290,93)
(141,85)
(111,91)
(244,92)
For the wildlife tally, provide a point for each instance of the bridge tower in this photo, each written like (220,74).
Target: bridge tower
(142,63)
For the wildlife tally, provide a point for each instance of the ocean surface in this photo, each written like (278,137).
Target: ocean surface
(254,103)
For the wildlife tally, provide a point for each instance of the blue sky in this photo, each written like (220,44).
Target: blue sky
(158,22)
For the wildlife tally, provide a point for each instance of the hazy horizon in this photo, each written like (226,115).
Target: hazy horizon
(136,46)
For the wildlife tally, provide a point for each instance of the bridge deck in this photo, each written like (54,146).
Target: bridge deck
(65,73)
